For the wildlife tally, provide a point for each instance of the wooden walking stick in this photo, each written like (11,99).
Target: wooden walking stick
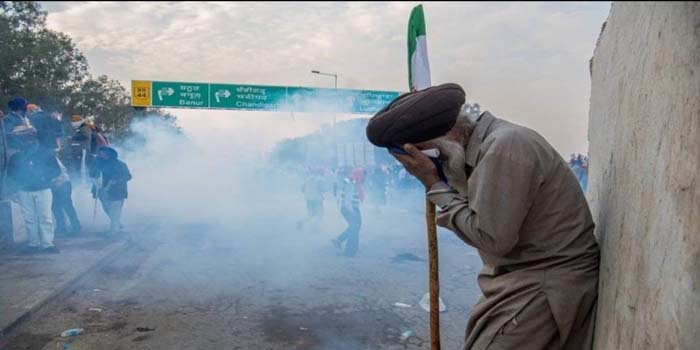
(433,277)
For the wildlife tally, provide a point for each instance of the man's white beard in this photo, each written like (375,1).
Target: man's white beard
(455,168)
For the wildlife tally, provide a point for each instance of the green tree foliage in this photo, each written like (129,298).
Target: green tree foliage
(110,103)
(37,62)
(45,67)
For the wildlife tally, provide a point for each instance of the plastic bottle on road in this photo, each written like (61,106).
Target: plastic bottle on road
(71,332)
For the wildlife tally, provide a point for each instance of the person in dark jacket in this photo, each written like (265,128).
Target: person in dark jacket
(111,186)
(49,128)
(31,172)
(16,124)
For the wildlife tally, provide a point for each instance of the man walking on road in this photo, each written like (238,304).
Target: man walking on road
(509,194)
(112,175)
(351,194)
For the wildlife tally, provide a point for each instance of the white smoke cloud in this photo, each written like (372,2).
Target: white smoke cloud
(526,62)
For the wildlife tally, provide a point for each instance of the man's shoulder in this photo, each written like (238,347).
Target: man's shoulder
(12,119)
(121,165)
(516,142)
(506,136)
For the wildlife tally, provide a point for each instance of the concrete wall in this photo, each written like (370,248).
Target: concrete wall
(644,175)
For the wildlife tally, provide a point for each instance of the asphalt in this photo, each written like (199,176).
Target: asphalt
(29,282)
(258,283)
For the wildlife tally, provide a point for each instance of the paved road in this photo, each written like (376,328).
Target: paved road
(256,282)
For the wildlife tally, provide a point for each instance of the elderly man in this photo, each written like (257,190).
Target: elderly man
(505,191)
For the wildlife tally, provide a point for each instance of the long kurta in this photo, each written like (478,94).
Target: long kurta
(527,216)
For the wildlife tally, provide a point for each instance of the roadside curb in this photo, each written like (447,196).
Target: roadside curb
(65,288)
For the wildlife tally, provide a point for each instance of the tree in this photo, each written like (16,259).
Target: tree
(37,63)
(108,102)
(47,68)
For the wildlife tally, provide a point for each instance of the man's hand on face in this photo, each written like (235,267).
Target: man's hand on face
(419,165)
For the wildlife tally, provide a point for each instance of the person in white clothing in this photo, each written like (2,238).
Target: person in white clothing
(31,173)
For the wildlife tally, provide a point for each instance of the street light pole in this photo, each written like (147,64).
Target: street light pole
(335,86)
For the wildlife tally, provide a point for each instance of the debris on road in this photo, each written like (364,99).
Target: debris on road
(145,329)
(71,332)
(425,303)
(402,305)
(95,309)
(407,334)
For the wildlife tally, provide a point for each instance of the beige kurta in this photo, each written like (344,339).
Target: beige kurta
(527,216)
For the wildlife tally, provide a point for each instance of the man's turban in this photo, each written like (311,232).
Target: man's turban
(417,116)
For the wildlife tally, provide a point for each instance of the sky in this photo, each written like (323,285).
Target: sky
(524,62)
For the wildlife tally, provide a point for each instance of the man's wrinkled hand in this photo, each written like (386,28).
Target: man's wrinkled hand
(418,165)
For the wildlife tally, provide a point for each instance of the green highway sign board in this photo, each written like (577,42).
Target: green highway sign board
(247,97)
(369,102)
(257,97)
(173,94)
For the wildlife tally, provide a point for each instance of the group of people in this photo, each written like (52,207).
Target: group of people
(37,179)
(351,187)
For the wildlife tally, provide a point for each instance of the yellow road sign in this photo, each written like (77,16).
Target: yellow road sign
(141,93)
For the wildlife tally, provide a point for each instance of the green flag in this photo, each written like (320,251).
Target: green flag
(418,65)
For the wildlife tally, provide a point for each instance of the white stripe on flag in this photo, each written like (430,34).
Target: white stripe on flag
(420,64)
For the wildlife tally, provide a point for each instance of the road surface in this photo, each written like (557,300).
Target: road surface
(257,282)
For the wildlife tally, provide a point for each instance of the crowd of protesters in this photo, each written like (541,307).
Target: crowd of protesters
(43,163)
(352,188)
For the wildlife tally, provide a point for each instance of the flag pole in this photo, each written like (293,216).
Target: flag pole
(433,276)
(418,79)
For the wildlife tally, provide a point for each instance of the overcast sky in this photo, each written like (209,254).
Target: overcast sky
(525,62)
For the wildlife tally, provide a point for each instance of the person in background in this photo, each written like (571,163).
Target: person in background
(583,174)
(79,144)
(111,186)
(100,138)
(16,124)
(351,194)
(49,128)
(31,109)
(313,189)
(18,113)
(97,140)
(377,186)
(62,204)
(31,172)
(60,135)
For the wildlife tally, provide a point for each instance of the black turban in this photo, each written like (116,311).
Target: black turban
(416,116)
